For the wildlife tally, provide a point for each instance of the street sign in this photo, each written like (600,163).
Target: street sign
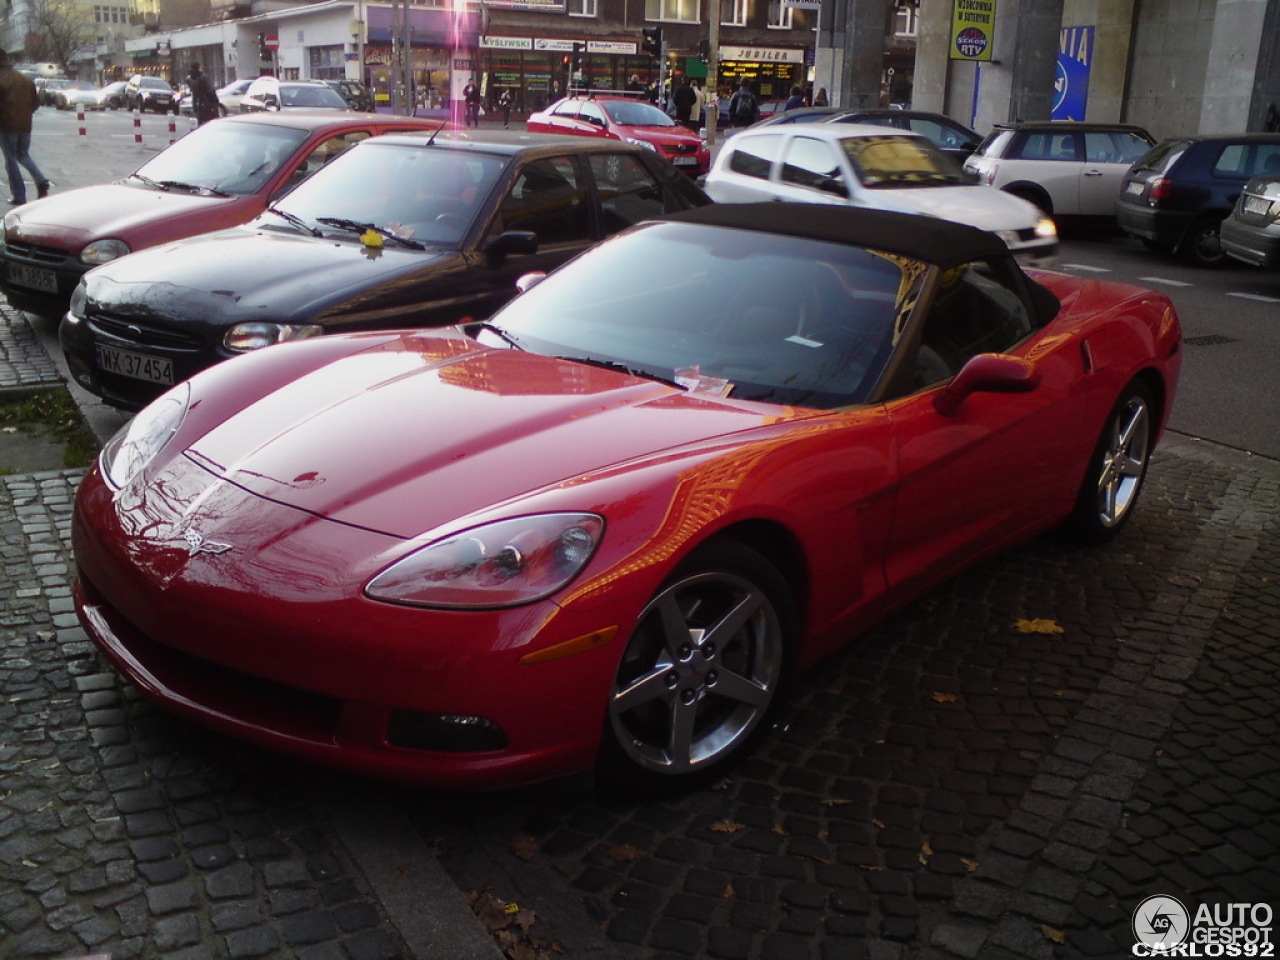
(271,42)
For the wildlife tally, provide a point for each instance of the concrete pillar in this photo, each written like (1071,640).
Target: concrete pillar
(1242,66)
(849,59)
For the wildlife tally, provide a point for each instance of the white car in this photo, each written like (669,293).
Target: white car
(229,97)
(1066,168)
(872,166)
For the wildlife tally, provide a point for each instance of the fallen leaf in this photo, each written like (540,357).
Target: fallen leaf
(836,802)
(878,823)
(970,865)
(729,892)
(1057,936)
(945,697)
(927,849)
(625,853)
(779,830)
(724,826)
(1038,626)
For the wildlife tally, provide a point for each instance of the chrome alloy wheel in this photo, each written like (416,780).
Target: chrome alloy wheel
(1124,460)
(699,673)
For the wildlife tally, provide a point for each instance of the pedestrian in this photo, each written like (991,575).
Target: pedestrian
(636,85)
(795,101)
(471,103)
(683,100)
(504,102)
(204,99)
(699,105)
(821,99)
(18,101)
(744,109)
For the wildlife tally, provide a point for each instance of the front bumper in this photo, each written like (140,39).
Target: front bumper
(39,279)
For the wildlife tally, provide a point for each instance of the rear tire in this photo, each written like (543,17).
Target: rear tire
(700,674)
(1202,245)
(1117,468)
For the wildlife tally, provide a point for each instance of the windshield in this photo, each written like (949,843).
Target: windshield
(154,83)
(899,161)
(422,193)
(747,315)
(631,114)
(235,158)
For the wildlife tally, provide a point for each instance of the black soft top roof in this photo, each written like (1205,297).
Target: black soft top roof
(943,242)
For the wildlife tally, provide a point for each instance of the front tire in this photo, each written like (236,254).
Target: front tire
(1117,469)
(700,674)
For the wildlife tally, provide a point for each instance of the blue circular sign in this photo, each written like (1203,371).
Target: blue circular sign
(971,42)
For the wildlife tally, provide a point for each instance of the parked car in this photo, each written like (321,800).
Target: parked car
(590,533)
(47,89)
(799,115)
(217,176)
(113,95)
(397,231)
(1064,167)
(1252,232)
(229,97)
(357,95)
(871,166)
(77,94)
(1177,195)
(271,93)
(620,118)
(143,93)
(954,139)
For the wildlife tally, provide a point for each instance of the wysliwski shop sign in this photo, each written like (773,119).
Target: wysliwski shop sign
(973,25)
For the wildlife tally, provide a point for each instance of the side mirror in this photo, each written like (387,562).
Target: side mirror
(512,243)
(987,373)
(530,280)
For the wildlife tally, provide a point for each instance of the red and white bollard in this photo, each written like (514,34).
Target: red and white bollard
(80,120)
(137,128)
(173,128)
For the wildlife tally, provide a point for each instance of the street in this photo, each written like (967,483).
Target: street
(1006,768)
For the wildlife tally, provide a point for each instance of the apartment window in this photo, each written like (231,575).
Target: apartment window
(779,16)
(678,11)
(733,13)
(583,8)
(904,21)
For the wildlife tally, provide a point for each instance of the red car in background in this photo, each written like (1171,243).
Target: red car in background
(621,118)
(219,175)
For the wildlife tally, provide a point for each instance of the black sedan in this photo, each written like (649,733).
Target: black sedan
(398,231)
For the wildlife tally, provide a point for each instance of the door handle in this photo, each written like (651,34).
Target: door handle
(1093,173)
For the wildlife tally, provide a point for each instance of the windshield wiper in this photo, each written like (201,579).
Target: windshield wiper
(495,329)
(620,367)
(294,219)
(356,225)
(170,185)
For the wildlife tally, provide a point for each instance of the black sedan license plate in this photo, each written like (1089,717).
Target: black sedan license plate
(139,366)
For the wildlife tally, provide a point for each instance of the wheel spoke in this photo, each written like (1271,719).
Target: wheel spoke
(723,630)
(646,689)
(735,686)
(675,629)
(684,718)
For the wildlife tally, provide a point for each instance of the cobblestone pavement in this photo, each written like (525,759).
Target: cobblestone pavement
(950,786)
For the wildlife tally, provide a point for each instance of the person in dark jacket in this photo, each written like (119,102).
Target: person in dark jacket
(684,100)
(796,100)
(204,99)
(18,101)
(744,108)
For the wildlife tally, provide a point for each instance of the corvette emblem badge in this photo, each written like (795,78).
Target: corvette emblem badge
(198,544)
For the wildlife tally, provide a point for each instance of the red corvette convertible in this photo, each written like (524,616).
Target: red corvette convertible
(602,528)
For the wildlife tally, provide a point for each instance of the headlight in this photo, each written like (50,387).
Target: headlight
(244,337)
(136,443)
(1046,228)
(500,564)
(79,296)
(104,251)
(642,143)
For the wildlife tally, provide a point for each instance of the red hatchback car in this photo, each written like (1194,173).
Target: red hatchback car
(219,175)
(621,118)
(588,532)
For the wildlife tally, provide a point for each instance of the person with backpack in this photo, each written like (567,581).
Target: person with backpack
(744,109)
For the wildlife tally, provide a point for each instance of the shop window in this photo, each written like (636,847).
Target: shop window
(583,8)
(779,16)
(679,11)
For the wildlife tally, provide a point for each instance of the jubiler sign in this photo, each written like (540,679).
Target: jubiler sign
(973,25)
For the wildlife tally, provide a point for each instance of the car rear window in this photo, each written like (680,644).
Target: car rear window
(1163,156)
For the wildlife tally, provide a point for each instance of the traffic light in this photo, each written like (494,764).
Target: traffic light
(704,50)
(263,50)
(652,42)
(577,57)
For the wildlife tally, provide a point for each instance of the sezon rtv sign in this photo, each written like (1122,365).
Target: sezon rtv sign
(973,27)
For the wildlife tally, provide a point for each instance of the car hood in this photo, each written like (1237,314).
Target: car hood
(242,274)
(418,430)
(984,207)
(133,214)
(659,135)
